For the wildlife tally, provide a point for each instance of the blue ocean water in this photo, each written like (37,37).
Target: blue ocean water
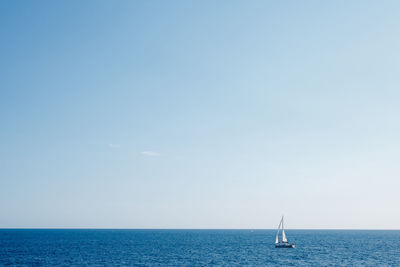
(42,247)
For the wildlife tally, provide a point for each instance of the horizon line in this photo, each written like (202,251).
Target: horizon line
(251,229)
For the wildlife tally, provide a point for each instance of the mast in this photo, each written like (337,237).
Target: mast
(277,233)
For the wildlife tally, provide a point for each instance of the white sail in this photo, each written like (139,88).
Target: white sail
(284,240)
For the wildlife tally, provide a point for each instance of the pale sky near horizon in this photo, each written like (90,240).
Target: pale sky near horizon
(199,114)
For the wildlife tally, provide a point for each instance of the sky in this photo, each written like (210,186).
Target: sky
(199,114)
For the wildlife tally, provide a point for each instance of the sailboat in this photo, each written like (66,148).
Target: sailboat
(284,243)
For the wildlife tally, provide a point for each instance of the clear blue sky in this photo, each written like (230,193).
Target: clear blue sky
(199,114)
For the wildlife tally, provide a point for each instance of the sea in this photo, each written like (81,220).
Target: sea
(84,247)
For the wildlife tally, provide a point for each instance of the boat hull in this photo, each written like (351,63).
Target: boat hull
(284,245)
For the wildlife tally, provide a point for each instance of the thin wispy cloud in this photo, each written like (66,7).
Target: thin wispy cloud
(150,154)
(114,145)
